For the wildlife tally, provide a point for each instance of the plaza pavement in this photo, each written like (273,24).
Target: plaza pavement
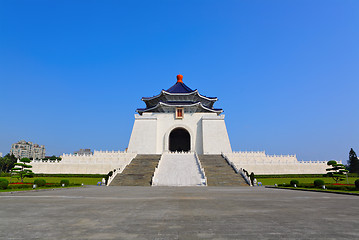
(178,213)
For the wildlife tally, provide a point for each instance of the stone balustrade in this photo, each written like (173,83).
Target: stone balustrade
(100,162)
(261,163)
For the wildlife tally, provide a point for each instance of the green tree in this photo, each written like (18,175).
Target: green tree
(337,171)
(22,170)
(7,163)
(353,163)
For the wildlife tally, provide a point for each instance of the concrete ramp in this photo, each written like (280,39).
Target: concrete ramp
(179,169)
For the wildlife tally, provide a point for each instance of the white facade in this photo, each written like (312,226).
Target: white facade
(151,131)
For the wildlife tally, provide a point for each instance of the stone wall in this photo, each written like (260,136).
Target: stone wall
(101,162)
(261,163)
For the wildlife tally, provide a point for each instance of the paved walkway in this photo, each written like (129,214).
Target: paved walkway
(178,213)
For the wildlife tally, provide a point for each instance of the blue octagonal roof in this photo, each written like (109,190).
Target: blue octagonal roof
(179,87)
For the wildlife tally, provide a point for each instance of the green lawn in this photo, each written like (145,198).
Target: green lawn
(321,190)
(79,180)
(30,189)
(272,181)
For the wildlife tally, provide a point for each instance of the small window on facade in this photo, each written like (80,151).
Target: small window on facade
(179,112)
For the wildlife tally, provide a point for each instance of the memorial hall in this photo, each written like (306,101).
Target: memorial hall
(179,139)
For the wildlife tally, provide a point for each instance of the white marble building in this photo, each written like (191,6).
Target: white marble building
(180,119)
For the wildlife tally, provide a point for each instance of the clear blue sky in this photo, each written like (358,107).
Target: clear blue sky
(286,73)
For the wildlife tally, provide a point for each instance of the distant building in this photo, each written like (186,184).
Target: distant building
(24,149)
(0,154)
(83,152)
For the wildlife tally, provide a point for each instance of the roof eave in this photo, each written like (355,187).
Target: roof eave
(219,111)
(214,99)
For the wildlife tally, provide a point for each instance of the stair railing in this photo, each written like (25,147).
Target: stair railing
(154,180)
(201,169)
(110,178)
(118,170)
(240,171)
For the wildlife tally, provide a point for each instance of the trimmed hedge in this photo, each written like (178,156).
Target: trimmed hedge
(338,187)
(66,182)
(353,174)
(318,182)
(291,176)
(3,174)
(292,182)
(300,175)
(19,186)
(3,183)
(357,183)
(40,182)
(305,185)
(72,175)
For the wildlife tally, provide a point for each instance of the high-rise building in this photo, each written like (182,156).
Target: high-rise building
(82,152)
(30,150)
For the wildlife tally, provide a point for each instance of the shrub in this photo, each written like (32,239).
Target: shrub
(31,175)
(357,183)
(335,187)
(40,182)
(305,185)
(3,174)
(291,176)
(296,182)
(318,182)
(19,186)
(3,183)
(353,174)
(71,175)
(66,182)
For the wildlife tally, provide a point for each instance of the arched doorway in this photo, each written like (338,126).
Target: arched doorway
(179,140)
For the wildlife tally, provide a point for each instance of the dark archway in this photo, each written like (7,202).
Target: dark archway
(179,140)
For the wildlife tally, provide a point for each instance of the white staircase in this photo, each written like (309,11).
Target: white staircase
(179,169)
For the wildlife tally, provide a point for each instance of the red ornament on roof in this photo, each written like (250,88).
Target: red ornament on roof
(179,78)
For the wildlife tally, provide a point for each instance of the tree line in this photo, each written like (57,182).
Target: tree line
(353,162)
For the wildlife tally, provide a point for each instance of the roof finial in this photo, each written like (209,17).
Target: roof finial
(179,78)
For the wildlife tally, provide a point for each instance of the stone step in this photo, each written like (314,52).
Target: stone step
(139,172)
(219,172)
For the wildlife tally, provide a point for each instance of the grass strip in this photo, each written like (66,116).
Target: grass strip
(74,180)
(38,188)
(327,180)
(356,193)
